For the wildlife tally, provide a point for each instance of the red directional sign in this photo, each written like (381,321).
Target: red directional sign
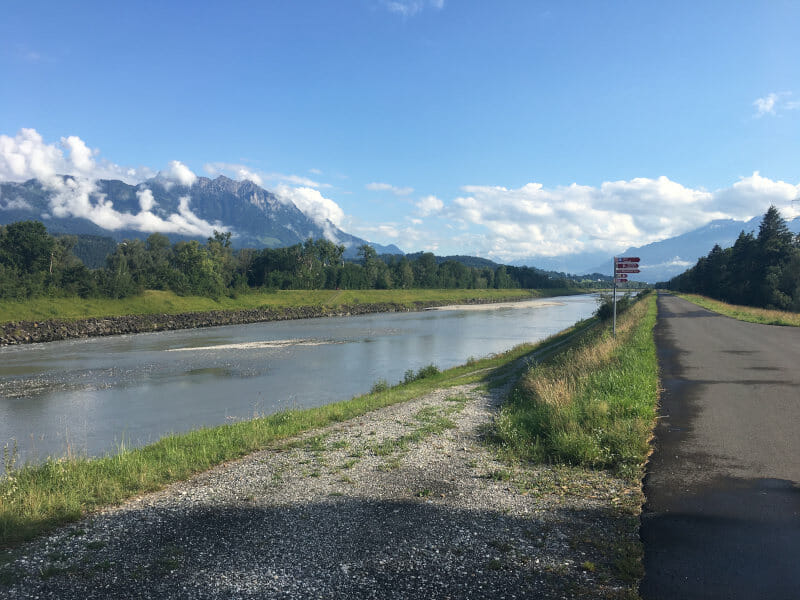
(620,281)
(628,271)
(628,259)
(627,265)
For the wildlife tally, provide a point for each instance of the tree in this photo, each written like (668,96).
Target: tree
(26,246)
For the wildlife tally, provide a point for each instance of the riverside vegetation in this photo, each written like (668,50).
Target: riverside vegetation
(761,271)
(33,263)
(745,313)
(596,413)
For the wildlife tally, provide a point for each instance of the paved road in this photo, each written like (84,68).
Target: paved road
(722,518)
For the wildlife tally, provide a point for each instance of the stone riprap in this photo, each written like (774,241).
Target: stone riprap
(29,332)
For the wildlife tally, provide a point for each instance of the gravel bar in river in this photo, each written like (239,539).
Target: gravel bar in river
(404,502)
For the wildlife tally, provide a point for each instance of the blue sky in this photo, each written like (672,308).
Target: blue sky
(507,129)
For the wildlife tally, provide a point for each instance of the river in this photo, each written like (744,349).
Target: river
(86,397)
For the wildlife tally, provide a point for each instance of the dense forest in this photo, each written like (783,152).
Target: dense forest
(34,263)
(762,270)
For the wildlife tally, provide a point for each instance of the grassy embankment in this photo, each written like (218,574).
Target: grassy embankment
(34,499)
(591,405)
(163,302)
(744,313)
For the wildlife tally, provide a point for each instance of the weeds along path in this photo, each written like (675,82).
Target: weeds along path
(405,502)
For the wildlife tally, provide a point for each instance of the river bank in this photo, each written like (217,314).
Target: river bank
(53,329)
(407,501)
(406,492)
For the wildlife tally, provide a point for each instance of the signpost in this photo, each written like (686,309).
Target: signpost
(622,266)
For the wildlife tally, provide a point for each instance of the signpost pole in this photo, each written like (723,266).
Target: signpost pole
(614,325)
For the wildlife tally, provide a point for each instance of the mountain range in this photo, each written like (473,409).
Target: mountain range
(256,217)
(662,260)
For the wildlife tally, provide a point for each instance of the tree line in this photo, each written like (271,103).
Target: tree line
(35,263)
(762,270)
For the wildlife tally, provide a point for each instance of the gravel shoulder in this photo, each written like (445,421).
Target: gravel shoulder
(405,502)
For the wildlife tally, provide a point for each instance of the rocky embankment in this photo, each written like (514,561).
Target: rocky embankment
(29,332)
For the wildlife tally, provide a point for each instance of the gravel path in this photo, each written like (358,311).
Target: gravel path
(405,502)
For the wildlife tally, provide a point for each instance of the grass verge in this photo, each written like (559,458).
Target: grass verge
(34,499)
(165,302)
(591,405)
(744,313)
(588,406)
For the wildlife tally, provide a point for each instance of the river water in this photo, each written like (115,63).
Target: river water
(86,397)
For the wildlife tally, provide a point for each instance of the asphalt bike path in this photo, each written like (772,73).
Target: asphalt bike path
(722,516)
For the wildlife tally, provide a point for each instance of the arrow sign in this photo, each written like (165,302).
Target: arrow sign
(628,271)
(628,259)
(620,281)
(628,265)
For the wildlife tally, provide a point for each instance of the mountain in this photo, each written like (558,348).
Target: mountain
(571,263)
(256,217)
(664,260)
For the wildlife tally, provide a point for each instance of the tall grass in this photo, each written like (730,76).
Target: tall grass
(745,313)
(159,302)
(591,405)
(34,499)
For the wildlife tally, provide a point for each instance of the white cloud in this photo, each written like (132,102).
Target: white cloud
(242,172)
(429,205)
(72,177)
(536,221)
(387,187)
(179,173)
(234,171)
(775,103)
(15,204)
(765,105)
(27,156)
(146,199)
(323,211)
(409,8)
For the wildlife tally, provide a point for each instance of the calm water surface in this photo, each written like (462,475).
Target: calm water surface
(88,396)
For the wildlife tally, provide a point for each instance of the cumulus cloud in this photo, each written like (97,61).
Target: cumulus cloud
(387,187)
(27,156)
(775,103)
(429,205)
(537,221)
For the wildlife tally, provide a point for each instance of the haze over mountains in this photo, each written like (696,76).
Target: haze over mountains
(193,208)
(661,260)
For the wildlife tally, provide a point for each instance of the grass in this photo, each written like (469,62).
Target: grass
(158,302)
(591,405)
(35,499)
(745,313)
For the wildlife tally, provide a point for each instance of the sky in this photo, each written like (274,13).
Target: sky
(511,129)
